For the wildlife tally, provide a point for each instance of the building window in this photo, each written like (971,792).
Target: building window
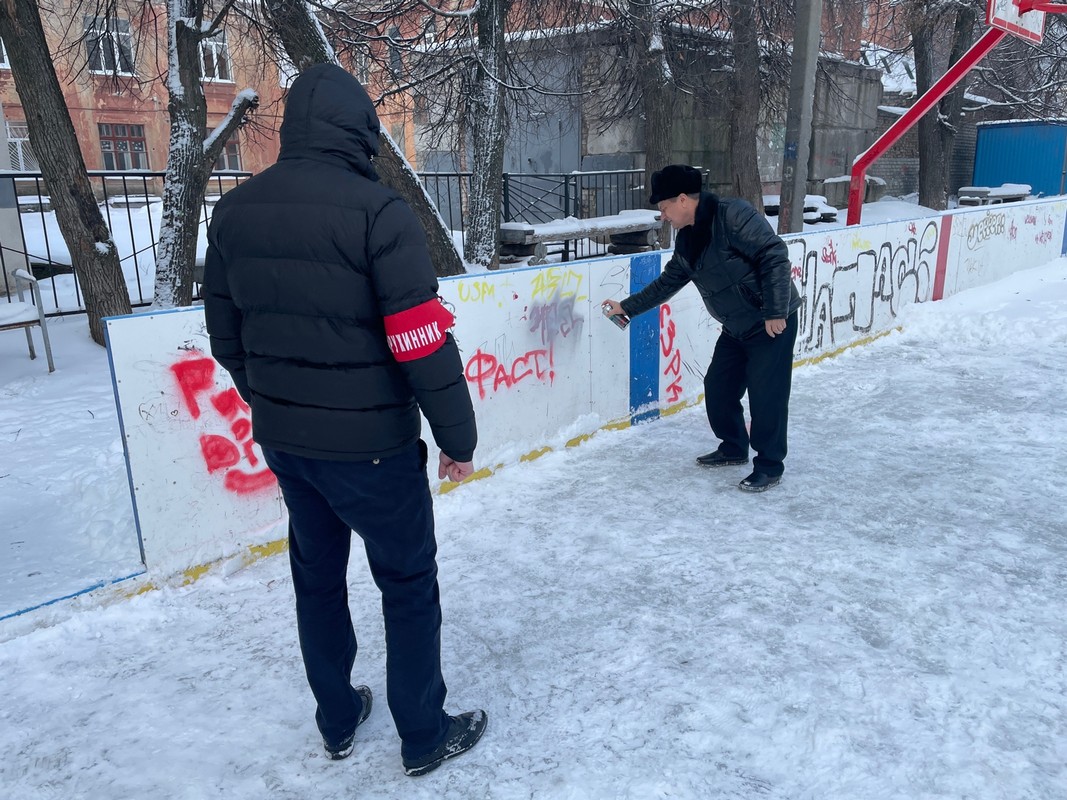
(215,58)
(109,45)
(4,63)
(429,30)
(123,147)
(396,58)
(230,157)
(18,145)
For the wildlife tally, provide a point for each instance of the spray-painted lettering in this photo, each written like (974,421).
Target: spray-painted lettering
(668,333)
(195,376)
(556,281)
(555,318)
(491,374)
(844,298)
(989,226)
(475,291)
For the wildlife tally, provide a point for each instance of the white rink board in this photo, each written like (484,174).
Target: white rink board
(200,486)
(542,364)
(995,241)
(538,355)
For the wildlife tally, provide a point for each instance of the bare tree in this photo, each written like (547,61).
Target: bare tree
(931,24)
(744,106)
(1026,79)
(296,25)
(92,250)
(191,157)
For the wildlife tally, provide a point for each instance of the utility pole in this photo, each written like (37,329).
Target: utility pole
(798,116)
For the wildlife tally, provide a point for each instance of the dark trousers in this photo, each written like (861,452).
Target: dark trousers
(387,503)
(762,365)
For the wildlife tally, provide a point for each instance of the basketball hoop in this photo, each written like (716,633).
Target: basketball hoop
(1022,18)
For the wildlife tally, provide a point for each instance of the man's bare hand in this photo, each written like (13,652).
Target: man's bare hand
(454,470)
(774,326)
(614,306)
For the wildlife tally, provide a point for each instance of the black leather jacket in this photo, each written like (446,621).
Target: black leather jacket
(737,262)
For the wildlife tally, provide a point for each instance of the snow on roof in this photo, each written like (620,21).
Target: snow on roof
(1053,121)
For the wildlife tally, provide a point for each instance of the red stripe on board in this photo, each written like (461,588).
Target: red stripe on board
(942,257)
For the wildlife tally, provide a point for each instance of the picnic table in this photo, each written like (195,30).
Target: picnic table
(628,231)
(988,195)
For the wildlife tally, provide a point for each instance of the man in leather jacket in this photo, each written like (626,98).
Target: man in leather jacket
(742,270)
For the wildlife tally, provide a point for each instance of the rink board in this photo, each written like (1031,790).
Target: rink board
(543,366)
(200,488)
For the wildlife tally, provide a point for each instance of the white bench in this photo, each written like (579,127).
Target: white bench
(629,231)
(15,314)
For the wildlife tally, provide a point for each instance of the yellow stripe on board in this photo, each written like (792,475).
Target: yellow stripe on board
(257,552)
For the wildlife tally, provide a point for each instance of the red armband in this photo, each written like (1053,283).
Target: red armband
(418,331)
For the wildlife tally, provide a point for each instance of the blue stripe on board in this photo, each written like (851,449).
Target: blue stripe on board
(86,590)
(1063,250)
(644,343)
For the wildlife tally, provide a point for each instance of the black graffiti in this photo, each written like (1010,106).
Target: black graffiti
(843,299)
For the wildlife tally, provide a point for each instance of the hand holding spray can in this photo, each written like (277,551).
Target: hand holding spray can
(621,320)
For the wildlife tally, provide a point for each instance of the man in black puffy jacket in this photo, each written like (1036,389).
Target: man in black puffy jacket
(321,302)
(742,270)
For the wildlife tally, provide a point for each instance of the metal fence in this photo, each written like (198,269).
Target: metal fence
(132,206)
(534,198)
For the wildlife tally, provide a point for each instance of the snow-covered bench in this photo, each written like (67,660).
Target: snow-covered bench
(629,232)
(15,314)
(987,196)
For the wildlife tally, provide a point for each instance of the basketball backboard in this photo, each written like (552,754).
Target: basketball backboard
(1005,15)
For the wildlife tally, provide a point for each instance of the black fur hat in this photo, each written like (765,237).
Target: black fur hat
(673,180)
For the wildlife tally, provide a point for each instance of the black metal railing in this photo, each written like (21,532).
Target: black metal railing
(132,205)
(534,198)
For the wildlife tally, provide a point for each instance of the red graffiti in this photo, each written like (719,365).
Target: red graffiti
(486,370)
(796,272)
(667,335)
(196,376)
(1044,237)
(1013,231)
(1031,219)
(829,254)
(911,229)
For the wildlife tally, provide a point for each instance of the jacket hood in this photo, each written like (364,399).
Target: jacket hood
(329,117)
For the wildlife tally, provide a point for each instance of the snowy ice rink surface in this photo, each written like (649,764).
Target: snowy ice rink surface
(890,622)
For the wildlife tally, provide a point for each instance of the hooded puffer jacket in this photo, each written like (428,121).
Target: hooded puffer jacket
(739,265)
(320,296)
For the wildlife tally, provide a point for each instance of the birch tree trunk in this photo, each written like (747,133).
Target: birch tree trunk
(92,251)
(745,104)
(485,115)
(189,163)
(296,26)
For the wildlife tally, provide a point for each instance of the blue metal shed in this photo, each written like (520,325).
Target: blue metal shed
(1033,152)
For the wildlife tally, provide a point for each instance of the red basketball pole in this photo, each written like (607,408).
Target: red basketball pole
(928,100)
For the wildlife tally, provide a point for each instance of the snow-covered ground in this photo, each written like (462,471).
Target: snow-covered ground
(890,622)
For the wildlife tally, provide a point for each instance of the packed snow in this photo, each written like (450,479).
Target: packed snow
(890,622)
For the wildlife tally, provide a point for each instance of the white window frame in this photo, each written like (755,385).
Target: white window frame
(220,49)
(4,63)
(231,150)
(20,152)
(111,33)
